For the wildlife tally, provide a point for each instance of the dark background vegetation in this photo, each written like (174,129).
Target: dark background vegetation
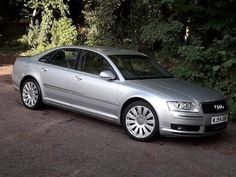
(194,39)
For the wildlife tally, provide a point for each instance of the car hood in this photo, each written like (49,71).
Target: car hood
(179,90)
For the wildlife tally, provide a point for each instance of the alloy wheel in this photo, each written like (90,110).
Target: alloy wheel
(140,121)
(30,94)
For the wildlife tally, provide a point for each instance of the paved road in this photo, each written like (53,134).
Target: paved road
(58,143)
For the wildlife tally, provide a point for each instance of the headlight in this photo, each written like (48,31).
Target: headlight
(182,106)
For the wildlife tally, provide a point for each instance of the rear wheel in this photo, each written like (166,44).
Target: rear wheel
(140,121)
(31,94)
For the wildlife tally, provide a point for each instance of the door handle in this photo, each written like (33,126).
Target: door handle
(43,69)
(78,78)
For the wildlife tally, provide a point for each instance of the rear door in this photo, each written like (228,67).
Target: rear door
(57,72)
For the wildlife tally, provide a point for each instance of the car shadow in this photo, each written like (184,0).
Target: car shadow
(193,140)
(227,137)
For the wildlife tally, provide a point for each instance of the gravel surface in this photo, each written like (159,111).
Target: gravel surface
(58,143)
(7,58)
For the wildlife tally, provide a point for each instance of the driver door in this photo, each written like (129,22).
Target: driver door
(91,92)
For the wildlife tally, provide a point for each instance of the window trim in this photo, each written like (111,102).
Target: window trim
(49,53)
(52,53)
(81,61)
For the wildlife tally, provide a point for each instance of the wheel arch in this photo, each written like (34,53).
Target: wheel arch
(38,101)
(25,78)
(147,103)
(129,101)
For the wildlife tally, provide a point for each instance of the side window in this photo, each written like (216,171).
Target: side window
(46,57)
(94,63)
(65,58)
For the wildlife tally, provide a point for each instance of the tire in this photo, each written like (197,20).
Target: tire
(140,121)
(31,94)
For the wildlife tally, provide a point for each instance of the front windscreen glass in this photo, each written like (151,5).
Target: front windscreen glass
(139,67)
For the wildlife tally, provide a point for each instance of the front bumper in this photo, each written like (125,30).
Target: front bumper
(193,124)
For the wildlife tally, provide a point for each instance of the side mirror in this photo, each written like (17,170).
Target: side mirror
(107,75)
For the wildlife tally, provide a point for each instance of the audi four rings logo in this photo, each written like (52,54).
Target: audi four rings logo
(219,106)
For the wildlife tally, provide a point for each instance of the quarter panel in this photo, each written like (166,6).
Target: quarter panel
(20,69)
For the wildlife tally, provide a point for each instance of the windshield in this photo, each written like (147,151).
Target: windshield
(139,67)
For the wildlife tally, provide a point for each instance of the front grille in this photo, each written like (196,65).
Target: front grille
(214,106)
(216,127)
(185,127)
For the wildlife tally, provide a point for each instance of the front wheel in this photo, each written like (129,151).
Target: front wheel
(140,121)
(31,94)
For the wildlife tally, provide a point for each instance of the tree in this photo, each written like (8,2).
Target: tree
(49,26)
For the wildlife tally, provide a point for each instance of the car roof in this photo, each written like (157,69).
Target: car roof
(105,50)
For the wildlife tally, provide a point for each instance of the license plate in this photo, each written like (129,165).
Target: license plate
(219,119)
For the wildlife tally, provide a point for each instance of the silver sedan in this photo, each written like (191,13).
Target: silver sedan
(121,86)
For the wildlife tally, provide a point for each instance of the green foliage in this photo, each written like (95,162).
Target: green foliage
(63,33)
(101,22)
(49,25)
(165,32)
(14,46)
(213,66)
(233,112)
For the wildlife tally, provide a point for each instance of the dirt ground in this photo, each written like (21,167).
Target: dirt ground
(7,58)
(58,143)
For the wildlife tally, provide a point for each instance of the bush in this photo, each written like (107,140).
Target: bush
(51,28)
(212,66)
(15,46)
(63,32)
(233,112)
